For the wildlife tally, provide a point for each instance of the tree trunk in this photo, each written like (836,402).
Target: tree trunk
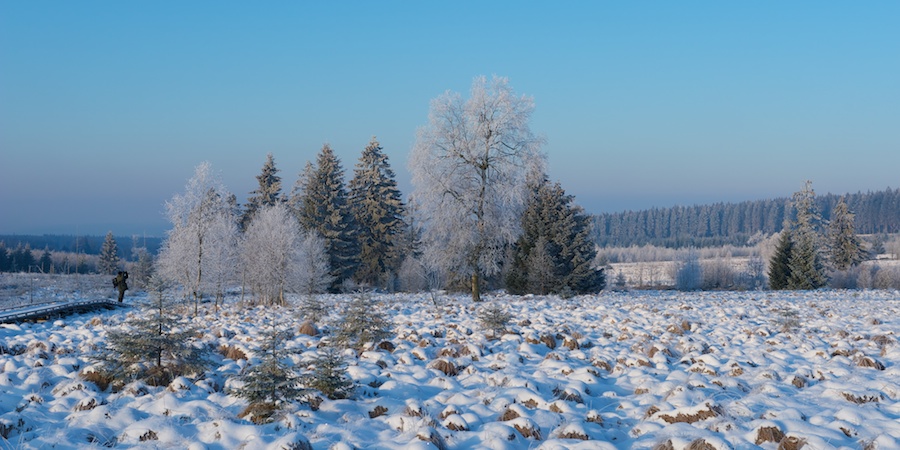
(476,287)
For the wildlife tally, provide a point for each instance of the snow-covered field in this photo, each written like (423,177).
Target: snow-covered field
(620,370)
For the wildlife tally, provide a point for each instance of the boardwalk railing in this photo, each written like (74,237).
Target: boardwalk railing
(49,310)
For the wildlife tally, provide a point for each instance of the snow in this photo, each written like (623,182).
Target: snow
(617,370)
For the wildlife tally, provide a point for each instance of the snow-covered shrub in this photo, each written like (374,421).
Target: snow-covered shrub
(689,274)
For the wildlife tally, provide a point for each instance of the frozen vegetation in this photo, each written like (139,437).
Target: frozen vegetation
(713,370)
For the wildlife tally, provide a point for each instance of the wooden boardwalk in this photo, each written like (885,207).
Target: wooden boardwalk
(52,310)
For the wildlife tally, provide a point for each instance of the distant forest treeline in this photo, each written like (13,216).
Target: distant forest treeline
(735,223)
(88,245)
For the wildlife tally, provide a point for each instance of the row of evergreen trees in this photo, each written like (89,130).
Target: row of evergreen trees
(371,239)
(734,223)
(21,259)
(362,224)
(810,248)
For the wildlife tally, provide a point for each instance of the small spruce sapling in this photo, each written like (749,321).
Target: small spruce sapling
(271,383)
(494,319)
(362,325)
(329,375)
(155,346)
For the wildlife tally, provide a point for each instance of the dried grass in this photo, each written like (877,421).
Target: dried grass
(703,414)
(378,411)
(308,328)
(572,434)
(700,444)
(99,378)
(859,400)
(508,415)
(549,341)
(150,435)
(528,430)
(431,435)
(447,367)
(791,443)
(769,434)
(232,352)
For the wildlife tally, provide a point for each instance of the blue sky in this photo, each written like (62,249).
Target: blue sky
(107,107)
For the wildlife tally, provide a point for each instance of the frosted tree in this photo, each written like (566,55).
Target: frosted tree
(222,256)
(688,273)
(845,248)
(267,194)
(322,207)
(108,261)
(806,268)
(469,168)
(377,208)
(278,258)
(185,255)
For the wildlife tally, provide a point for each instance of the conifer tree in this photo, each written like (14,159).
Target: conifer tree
(329,375)
(155,346)
(554,253)
(779,268)
(377,208)
(46,262)
(5,263)
(270,383)
(108,261)
(807,270)
(267,194)
(323,208)
(844,246)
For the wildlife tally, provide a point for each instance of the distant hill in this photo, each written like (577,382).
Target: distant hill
(89,245)
(734,223)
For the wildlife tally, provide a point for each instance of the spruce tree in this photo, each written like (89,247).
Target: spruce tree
(46,262)
(5,263)
(807,270)
(323,208)
(108,261)
(779,268)
(844,246)
(555,241)
(270,383)
(377,208)
(329,375)
(155,346)
(267,194)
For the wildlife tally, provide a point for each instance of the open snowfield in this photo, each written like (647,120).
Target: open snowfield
(816,370)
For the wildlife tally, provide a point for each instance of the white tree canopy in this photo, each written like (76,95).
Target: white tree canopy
(470,165)
(201,219)
(279,258)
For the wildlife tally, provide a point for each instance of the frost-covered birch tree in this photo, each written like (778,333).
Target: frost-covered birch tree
(278,258)
(199,218)
(469,166)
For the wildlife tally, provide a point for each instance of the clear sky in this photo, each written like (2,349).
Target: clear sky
(106,107)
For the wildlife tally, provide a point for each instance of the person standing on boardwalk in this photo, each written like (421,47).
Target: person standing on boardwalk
(119,283)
